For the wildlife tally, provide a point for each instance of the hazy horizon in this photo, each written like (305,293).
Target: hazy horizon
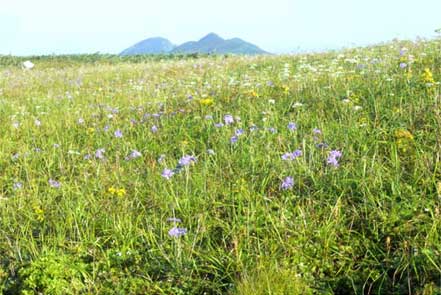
(278,26)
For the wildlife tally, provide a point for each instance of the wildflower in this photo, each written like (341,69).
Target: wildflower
(208,117)
(333,157)
(218,125)
(28,65)
(297,105)
(292,126)
(174,219)
(292,156)
(322,145)
(317,131)
(403,65)
(239,132)
(16,125)
(253,128)
(228,119)
(287,183)
(56,145)
(39,213)
(187,160)
(206,101)
(106,128)
(271,101)
(428,77)
(53,183)
(154,129)
(99,154)
(133,155)
(176,232)
(80,121)
(211,152)
(37,123)
(234,139)
(87,157)
(118,133)
(121,192)
(17,185)
(272,130)
(167,173)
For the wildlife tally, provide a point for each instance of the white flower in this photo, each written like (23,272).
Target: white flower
(272,101)
(28,65)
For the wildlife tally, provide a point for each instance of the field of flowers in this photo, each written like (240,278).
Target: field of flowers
(302,174)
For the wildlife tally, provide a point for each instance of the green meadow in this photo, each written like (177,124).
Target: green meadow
(293,174)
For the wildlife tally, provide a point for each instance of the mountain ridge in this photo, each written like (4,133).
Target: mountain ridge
(209,44)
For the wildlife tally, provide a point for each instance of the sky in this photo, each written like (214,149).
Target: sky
(35,27)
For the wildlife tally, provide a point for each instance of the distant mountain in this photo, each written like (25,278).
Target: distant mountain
(211,43)
(155,45)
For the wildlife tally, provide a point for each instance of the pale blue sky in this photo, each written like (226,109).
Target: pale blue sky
(109,26)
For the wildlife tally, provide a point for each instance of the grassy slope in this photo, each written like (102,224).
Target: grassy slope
(372,225)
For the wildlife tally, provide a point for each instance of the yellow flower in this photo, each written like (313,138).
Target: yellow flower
(39,213)
(403,134)
(428,76)
(121,192)
(112,190)
(206,101)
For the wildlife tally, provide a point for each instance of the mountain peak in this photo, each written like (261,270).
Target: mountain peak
(211,37)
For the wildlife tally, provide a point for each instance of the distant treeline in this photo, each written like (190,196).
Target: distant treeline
(9,60)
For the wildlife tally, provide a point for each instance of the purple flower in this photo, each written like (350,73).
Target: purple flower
(234,139)
(154,129)
(322,145)
(167,173)
(118,133)
(239,132)
(317,131)
(228,119)
(176,232)
(106,128)
(218,125)
(87,157)
(53,183)
(287,183)
(187,160)
(292,156)
(333,157)
(133,155)
(292,126)
(17,185)
(99,154)
(403,65)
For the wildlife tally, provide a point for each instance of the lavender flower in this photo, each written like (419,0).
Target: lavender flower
(99,154)
(106,128)
(87,157)
(218,125)
(272,130)
(292,156)
(53,183)
(167,173)
(403,65)
(154,129)
(234,139)
(118,133)
(133,155)
(176,232)
(239,132)
(287,183)
(228,119)
(187,160)
(292,126)
(317,131)
(333,157)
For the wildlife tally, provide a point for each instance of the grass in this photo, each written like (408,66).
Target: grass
(371,225)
